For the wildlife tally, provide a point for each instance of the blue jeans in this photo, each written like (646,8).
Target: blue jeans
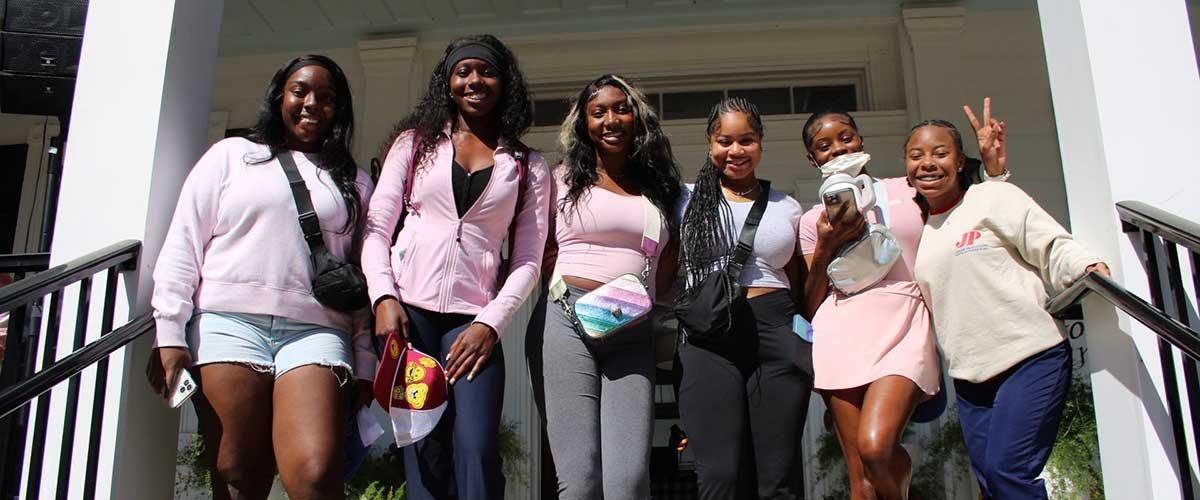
(461,457)
(1011,421)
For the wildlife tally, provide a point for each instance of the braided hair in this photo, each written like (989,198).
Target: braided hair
(706,235)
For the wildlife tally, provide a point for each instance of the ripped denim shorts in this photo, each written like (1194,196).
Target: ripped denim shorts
(268,344)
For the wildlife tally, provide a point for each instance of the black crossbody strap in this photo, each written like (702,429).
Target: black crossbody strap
(309,224)
(745,244)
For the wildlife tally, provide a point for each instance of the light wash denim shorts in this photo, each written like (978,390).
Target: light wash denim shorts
(265,343)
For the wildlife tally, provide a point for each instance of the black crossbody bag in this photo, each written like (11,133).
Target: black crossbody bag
(337,285)
(705,311)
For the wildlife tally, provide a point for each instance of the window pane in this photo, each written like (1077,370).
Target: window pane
(768,101)
(831,98)
(547,112)
(679,105)
(237,132)
(654,100)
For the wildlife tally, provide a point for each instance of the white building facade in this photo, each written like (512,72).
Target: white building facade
(1084,86)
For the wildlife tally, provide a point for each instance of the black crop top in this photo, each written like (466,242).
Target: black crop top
(468,186)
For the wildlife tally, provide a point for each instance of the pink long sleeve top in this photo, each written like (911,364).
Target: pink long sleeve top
(445,263)
(235,245)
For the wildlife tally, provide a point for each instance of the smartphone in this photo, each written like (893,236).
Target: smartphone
(840,205)
(182,389)
(802,327)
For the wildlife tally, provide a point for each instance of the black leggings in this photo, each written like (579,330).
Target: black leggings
(743,402)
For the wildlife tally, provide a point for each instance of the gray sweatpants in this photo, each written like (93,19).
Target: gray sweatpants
(597,403)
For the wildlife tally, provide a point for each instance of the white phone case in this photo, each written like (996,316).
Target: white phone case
(183,389)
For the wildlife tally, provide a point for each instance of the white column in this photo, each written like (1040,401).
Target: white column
(1124,82)
(935,36)
(389,90)
(139,122)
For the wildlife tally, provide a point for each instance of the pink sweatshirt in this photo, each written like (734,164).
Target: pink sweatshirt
(235,246)
(446,264)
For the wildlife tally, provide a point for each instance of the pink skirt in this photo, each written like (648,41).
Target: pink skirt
(883,331)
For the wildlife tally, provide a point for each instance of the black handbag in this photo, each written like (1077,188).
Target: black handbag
(706,309)
(337,285)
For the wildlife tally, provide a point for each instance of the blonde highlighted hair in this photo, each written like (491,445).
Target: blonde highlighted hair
(651,164)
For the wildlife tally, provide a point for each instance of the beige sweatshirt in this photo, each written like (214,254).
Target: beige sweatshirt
(987,267)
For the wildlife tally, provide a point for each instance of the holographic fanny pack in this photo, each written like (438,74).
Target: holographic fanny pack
(613,309)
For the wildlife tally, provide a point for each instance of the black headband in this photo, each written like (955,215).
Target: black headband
(471,50)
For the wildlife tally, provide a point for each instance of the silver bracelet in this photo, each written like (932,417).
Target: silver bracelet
(1000,178)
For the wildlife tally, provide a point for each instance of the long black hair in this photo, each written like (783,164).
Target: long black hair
(335,156)
(652,165)
(429,117)
(970,171)
(706,238)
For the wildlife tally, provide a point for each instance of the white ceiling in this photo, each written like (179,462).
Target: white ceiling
(258,26)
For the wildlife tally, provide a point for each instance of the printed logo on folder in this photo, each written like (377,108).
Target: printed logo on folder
(411,386)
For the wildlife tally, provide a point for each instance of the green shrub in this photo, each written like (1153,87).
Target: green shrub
(380,477)
(195,468)
(513,454)
(376,491)
(1075,462)
(379,474)
(943,447)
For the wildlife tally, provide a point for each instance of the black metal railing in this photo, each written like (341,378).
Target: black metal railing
(21,264)
(1159,235)
(24,381)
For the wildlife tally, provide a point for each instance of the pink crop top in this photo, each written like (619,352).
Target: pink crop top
(601,237)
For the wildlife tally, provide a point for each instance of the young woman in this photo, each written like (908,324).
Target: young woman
(233,295)
(874,352)
(438,283)
(743,398)
(988,256)
(598,403)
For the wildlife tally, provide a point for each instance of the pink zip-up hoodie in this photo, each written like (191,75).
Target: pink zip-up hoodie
(445,264)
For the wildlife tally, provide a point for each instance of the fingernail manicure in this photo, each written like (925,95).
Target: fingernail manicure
(453,380)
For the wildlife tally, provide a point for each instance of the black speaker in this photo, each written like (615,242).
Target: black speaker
(35,95)
(62,17)
(39,54)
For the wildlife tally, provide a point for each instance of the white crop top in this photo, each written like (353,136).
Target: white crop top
(775,243)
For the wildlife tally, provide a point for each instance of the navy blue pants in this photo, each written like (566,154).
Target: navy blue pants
(1010,423)
(461,457)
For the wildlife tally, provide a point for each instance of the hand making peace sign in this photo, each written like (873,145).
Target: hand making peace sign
(992,135)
